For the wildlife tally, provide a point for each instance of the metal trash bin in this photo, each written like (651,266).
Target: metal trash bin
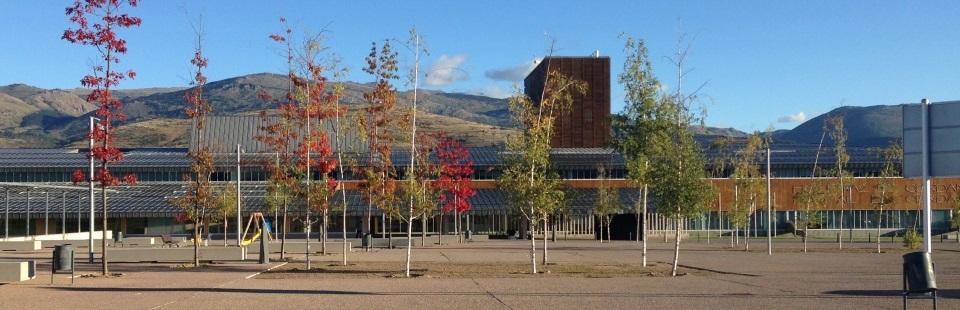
(468,234)
(63,258)
(919,279)
(118,236)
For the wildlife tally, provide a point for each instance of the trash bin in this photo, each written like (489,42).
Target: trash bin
(118,236)
(367,240)
(63,258)
(918,273)
(468,234)
(264,257)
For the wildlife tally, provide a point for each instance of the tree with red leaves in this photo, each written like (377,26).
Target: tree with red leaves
(315,154)
(377,123)
(96,23)
(281,134)
(199,198)
(456,171)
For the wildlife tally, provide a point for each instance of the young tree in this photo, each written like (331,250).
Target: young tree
(885,193)
(811,199)
(281,134)
(750,184)
(456,170)
(226,206)
(608,203)
(527,180)
(97,23)
(834,128)
(642,118)
(677,164)
(378,122)
(338,129)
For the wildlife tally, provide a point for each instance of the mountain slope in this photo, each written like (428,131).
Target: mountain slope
(871,126)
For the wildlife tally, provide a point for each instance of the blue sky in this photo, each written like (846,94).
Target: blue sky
(763,62)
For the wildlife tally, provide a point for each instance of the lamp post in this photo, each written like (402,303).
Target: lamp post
(770,201)
(91,226)
(239,204)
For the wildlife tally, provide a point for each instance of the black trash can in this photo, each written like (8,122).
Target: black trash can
(468,234)
(63,258)
(918,273)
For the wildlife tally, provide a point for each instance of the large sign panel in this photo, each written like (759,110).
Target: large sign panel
(944,139)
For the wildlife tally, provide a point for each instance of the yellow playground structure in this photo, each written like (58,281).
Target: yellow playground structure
(261,229)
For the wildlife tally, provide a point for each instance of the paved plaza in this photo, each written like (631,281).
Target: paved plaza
(714,277)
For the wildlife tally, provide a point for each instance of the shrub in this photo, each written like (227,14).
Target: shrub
(912,239)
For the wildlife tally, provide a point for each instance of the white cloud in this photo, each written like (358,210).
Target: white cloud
(446,70)
(798,117)
(492,91)
(512,74)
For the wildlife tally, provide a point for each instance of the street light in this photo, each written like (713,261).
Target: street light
(90,240)
(770,203)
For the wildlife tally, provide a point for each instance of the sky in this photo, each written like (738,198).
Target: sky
(761,63)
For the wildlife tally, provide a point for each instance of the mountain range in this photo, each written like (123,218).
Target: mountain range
(45,118)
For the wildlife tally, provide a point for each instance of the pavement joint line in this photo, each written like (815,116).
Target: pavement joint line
(268,269)
(491,294)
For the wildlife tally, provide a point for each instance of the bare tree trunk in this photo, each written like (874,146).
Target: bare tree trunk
(544,240)
(306,230)
(390,231)
(533,244)
(283,231)
(323,234)
(676,249)
(609,221)
(456,225)
(644,228)
(840,234)
(103,243)
(879,221)
(344,236)
(440,229)
(196,244)
(423,230)
(409,239)
(225,231)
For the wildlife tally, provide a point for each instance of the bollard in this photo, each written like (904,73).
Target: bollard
(264,251)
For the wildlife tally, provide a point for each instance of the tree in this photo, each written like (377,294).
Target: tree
(456,170)
(834,128)
(314,154)
(750,184)
(527,181)
(226,206)
(885,193)
(640,121)
(199,197)
(677,162)
(378,122)
(338,128)
(608,202)
(811,198)
(97,23)
(281,135)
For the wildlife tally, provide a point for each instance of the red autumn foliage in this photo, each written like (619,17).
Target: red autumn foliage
(456,170)
(102,35)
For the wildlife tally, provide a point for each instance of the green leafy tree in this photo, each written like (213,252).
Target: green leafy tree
(885,193)
(833,126)
(608,203)
(811,199)
(226,206)
(677,165)
(751,188)
(636,127)
(527,179)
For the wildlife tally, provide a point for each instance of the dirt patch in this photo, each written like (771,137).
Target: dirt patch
(100,276)
(468,270)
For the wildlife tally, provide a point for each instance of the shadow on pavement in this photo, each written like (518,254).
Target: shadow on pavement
(951,294)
